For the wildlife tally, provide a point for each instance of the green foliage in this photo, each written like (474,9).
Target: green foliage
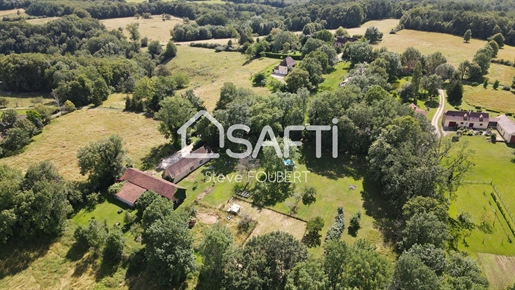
(306,275)
(496,84)
(431,256)
(358,52)
(411,273)
(485,83)
(373,34)
(133,30)
(170,51)
(356,266)
(154,48)
(146,199)
(4,102)
(103,161)
(15,139)
(264,262)
(354,224)
(499,38)
(92,236)
(334,233)
(169,249)
(455,92)
(424,228)
(259,79)
(312,237)
(494,46)
(173,114)
(181,80)
(69,106)
(309,195)
(114,245)
(467,35)
(298,78)
(217,242)
(325,35)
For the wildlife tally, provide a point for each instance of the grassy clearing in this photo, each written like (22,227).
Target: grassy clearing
(334,78)
(115,101)
(61,139)
(154,28)
(42,20)
(498,100)
(504,74)
(209,70)
(25,100)
(496,267)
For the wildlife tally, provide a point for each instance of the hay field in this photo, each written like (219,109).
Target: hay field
(209,70)
(498,100)
(154,28)
(61,139)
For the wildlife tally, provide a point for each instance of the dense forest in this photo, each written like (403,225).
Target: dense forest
(453,17)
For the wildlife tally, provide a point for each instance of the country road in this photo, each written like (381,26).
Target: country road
(439,112)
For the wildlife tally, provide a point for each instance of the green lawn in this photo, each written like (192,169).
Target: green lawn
(492,163)
(334,78)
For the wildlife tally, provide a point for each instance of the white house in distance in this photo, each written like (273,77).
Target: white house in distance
(506,128)
(285,66)
(460,119)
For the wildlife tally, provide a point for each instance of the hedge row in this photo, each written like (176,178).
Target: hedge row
(503,213)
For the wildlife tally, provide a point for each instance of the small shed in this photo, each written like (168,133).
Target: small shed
(234,209)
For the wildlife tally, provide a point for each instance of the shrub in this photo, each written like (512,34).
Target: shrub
(506,88)
(259,79)
(69,106)
(475,84)
(478,107)
(336,230)
(493,138)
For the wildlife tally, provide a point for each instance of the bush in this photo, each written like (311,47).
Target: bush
(493,138)
(478,107)
(69,106)
(259,79)
(509,114)
(475,84)
(336,230)
(506,88)
(354,225)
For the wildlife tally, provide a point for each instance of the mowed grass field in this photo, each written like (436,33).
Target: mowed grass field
(154,28)
(498,100)
(209,70)
(492,163)
(64,136)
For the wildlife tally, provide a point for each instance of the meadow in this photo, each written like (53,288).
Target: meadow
(209,70)
(61,139)
(498,100)
(154,28)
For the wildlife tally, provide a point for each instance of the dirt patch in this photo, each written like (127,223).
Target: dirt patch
(269,221)
(207,218)
(497,269)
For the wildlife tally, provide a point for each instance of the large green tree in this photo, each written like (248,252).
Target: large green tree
(373,34)
(214,248)
(169,249)
(174,112)
(103,161)
(411,273)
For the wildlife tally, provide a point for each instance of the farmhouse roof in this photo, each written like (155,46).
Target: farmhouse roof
(506,124)
(461,115)
(184,164)
(288,62)
(138,182)
(417,109)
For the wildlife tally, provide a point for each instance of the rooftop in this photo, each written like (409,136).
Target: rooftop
(506,124)
(138,182)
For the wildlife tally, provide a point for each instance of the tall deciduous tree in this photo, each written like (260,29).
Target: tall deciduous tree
(298,78)
(103,160)
(214,248)
(411,273)
(373,34)
(169,249)
(467,35)
(417,78)
(455,92)
(174,112)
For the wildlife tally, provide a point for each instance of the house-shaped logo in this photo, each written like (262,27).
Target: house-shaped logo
(184,134)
